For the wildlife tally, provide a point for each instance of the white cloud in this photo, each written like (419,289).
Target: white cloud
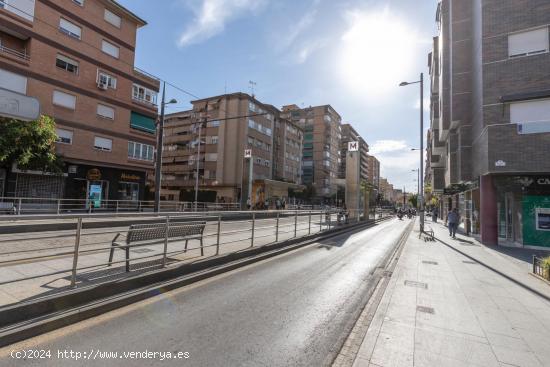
(293,32)
(211,17)
(384,146)
(308,49)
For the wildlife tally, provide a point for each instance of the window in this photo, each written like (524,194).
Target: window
(64,99)
(140,151)
(67,64)
(528,43)
(64,136)
(211,157)
(215,123)
(532,111)
(103,144)
(143,94)
(112,18)
(106,111)
(267,163)
(70,29)
(213,140)
(13,82)
(106,79)
(110,49)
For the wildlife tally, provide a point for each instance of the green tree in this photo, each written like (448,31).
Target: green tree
(31,145)
(413,199)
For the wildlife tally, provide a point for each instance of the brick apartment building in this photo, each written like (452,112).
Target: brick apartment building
(349,134)
(373,171)
(322,135)
(234,123)
(77,58)
(490,121)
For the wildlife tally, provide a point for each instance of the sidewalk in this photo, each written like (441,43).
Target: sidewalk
(446,308)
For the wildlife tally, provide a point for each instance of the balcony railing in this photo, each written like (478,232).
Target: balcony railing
(21,55)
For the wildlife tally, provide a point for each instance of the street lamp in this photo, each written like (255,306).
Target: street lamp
(421,194)
(160,138)
(417,171)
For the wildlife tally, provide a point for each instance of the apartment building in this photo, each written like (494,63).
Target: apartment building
(321,144)
(77,58)
(490,120)
(349,134)
(373,171)
(287,151)
(228,125)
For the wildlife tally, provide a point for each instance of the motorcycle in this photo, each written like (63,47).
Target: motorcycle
(400,216)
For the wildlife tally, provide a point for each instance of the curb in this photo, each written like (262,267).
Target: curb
(30,319)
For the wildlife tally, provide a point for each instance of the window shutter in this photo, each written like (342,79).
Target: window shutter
(112,18)
(103,143)
(73,29)
(530,42)
(110,49)
(64,99)
(106,111)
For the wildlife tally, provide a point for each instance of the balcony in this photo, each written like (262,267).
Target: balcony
(22,55)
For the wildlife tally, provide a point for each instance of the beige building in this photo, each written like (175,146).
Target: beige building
(349,134)
(77,58)
(228,125)
(373,171)
(321,145)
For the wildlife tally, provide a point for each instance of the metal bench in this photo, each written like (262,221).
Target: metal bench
(150,234)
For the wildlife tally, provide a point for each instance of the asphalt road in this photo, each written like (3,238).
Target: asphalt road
(291,310)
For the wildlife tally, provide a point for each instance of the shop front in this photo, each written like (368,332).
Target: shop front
(523,210)
(100,185)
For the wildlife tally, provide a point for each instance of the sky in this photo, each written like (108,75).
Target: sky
(349,54)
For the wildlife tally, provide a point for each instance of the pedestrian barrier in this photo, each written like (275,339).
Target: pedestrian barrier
(541,267)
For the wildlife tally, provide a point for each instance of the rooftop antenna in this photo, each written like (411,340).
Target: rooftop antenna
(252,85)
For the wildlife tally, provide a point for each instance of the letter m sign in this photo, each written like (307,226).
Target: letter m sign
(353,146)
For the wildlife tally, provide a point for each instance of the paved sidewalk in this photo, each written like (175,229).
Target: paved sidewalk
(446,308)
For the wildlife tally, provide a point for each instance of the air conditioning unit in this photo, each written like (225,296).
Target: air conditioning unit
(102,86)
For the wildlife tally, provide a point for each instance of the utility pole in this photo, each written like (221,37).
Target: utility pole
(421,173)
(160,141)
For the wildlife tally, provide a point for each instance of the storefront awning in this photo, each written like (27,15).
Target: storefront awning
(142,122)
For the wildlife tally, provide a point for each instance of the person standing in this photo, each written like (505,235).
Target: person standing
(434,215)
(452,220)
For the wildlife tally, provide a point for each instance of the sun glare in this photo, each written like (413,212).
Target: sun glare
(378,52)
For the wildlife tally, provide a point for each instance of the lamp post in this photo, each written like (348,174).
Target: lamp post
(421,195)
(417,171)
(160,141)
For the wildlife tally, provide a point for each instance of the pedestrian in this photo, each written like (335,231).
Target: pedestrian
(434,215)
(452,220)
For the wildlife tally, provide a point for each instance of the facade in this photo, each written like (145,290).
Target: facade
(350,135)
(287,151)
(490,128)
(77,59)
(230,124)
(374,171)
(386,190)
(321,145)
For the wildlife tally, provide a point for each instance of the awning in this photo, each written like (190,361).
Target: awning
(142,122)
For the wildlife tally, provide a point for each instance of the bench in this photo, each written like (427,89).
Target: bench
(150,234)
(7,207)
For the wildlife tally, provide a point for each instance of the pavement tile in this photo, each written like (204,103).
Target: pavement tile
(516,357)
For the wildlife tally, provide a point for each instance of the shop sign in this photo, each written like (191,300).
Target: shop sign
(534,181)
(73,169)
(18,106)
(500,163)
(129,177)
(93,174)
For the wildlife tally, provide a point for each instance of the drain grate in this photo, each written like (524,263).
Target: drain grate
(425,309)
(469,262)
(412,283)
(387,273)
(142,250)
(430,262)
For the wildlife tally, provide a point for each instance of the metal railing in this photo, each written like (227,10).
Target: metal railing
(80,256)
(21,55)
(541,267)
(29,206)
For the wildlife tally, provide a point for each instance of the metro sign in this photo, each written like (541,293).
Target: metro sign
(248,153)
(353,146)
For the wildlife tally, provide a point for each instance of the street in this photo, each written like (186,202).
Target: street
(294,309)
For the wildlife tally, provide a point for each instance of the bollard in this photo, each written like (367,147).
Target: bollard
(19,207)
(253,225)
(218,236)
(277,229)
(76,248)
(58,206)
(166,229)
(295,223)
(320,221)
(117,206)
(309,224)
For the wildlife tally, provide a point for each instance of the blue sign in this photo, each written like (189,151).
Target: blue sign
(95,195)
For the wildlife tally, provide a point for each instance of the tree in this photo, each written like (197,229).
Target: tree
(413,199)
(30,145)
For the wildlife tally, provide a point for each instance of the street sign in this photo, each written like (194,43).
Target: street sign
(248,153)
(353,146)
(18,106)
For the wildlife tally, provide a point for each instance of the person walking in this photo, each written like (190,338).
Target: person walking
(452,220)
(434,215)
